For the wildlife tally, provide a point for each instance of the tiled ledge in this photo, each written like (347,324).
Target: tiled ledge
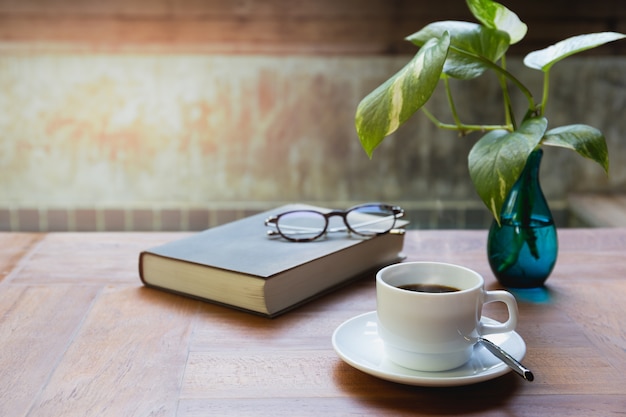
(599,210)
(114,219)
(421,216)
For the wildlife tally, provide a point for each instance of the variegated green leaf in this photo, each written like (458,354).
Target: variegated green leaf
(391,104)
(455,28)
(586,140)
(498,158)
(496,16)
(474,42)
(545,58)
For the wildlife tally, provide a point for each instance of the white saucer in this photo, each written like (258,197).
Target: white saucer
(357,342)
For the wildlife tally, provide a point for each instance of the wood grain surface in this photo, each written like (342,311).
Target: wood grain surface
(82,337)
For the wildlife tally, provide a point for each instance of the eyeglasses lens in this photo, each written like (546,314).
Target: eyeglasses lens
(371,219)
(301,225)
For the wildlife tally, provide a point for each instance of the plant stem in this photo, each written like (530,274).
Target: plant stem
(464,129)
(502,71)
(455,115)
(509,117)
(546,88)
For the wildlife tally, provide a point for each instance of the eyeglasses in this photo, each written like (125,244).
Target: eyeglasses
(306,225)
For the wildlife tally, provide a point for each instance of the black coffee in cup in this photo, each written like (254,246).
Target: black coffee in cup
(432,288)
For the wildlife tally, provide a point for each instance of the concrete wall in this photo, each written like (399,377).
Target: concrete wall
(155,137)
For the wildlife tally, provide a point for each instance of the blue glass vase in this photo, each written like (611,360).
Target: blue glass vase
(522,250)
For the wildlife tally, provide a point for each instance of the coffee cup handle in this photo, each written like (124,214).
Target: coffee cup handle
(509,325)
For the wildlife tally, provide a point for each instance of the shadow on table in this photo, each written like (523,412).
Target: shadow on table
(398,399)
(541,295)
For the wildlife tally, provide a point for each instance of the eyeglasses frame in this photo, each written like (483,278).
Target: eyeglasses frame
(397,212)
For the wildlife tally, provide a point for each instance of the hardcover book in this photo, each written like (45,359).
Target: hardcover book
(238,265)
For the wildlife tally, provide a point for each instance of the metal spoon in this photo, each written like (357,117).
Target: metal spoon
(507,359)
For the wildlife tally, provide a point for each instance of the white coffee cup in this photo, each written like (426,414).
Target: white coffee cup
(430,331)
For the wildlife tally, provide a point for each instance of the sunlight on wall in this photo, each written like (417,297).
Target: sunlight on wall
(161,131)
(106,129)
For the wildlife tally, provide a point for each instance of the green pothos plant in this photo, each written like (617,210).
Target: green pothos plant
(466,50)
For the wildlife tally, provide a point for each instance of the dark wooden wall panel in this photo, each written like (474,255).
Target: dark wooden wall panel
(283,26)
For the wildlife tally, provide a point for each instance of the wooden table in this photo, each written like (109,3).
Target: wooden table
(81,337)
